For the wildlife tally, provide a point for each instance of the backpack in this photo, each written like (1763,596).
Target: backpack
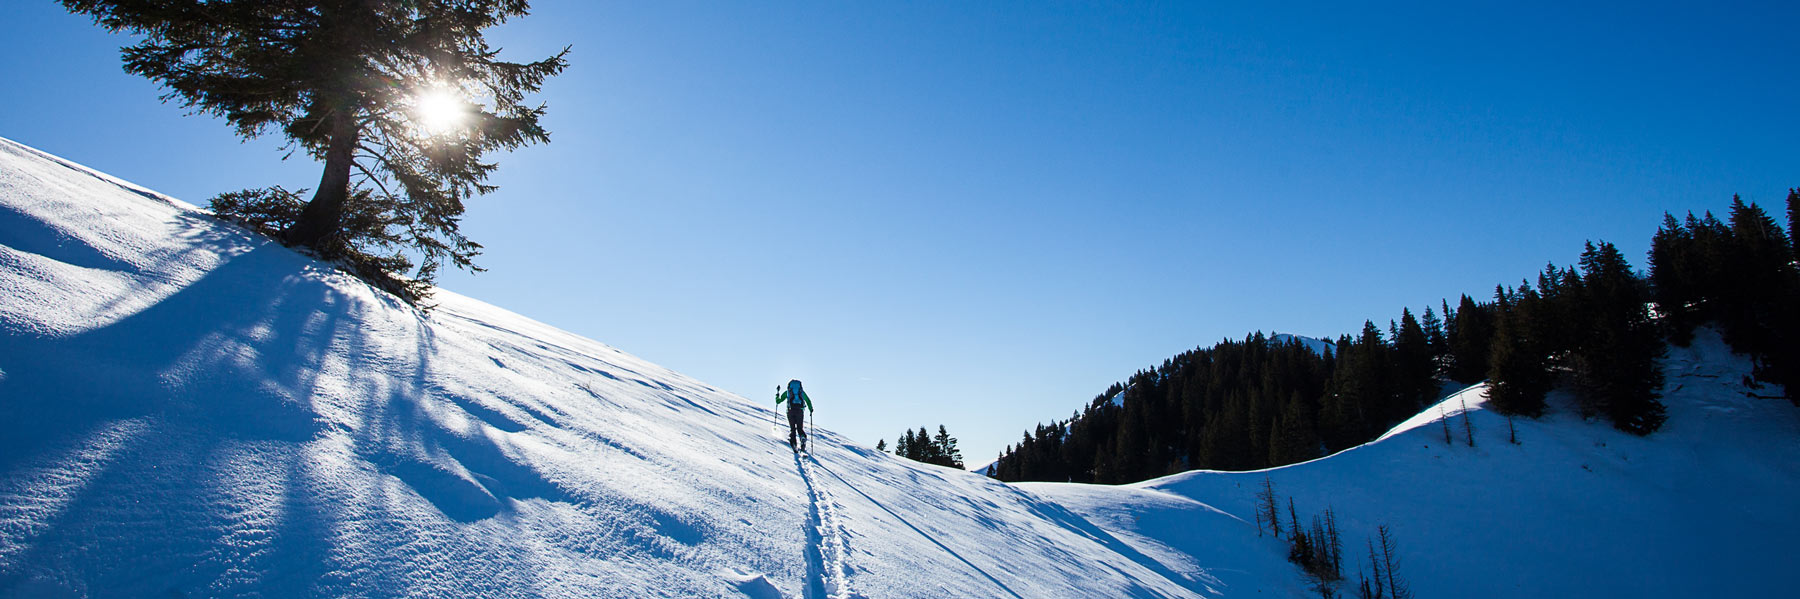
(795,396)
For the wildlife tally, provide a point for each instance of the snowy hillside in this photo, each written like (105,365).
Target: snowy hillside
(1575,509)
(188,410)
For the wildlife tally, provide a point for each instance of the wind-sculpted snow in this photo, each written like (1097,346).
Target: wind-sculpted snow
(189,410)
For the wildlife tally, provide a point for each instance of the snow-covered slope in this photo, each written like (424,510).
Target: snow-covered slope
(1702,508)
(189,410)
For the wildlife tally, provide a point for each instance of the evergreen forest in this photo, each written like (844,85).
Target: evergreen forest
(1597,329)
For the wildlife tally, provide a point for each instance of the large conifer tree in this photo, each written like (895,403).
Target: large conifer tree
(1671,280)
(1759,266)
(1470,339)
(398,99)
(1434,336)
(1616,357)
(1764,317)
(1413,366)
(1518,376)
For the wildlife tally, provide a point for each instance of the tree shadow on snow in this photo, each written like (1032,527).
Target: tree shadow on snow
(230,360)
(249,330)
(451,450)
(135,411)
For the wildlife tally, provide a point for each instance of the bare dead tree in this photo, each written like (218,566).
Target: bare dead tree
(1468,427)
(1265,507)
(1390,563)
(1374,587)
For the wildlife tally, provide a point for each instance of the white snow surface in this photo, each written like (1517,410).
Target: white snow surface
(189,410)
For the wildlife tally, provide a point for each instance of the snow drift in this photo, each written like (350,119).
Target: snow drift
(187,409)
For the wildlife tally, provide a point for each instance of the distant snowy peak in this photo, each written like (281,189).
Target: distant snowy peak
(1319,346)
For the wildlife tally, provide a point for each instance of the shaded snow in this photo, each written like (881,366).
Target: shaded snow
(189,410)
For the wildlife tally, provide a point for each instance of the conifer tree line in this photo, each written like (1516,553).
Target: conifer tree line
(921,446)
(1739,274)
(1597,329)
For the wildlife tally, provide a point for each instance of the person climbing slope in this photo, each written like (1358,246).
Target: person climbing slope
(796,399)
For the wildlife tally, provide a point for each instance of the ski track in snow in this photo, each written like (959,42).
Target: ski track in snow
(827,568)
(927,536)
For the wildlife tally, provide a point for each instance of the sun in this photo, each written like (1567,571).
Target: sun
(439,110)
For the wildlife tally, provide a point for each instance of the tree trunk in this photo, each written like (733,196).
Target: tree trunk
(324,214)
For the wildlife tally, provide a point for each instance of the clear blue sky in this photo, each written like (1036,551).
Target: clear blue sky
(980,214)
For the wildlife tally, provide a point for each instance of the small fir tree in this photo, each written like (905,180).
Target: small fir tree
(947,453)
